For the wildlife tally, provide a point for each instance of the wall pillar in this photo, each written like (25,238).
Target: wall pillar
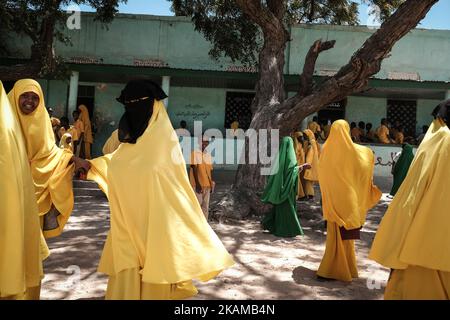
(73,93)
(166,88)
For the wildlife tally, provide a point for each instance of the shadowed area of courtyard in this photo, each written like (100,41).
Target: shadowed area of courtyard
(267,267)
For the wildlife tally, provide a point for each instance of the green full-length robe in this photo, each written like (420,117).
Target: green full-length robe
(401,168)
(281,191)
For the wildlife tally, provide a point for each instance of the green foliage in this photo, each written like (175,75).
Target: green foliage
(43,21)
(235,35)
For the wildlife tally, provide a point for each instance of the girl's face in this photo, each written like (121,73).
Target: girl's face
(28,102)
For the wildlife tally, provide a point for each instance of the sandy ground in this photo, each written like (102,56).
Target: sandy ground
(267,267)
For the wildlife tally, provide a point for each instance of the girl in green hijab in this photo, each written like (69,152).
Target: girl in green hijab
(281,191)
(401,167)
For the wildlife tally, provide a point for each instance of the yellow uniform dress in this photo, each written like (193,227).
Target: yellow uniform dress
(399,137)
(314,127)
(300,155)
(20,234)
(88,138)
(159,238)
(112,143)
(203,163)
(383,134)
(52,174)
(413,238)
(346,183)
(72,131)
(311,176)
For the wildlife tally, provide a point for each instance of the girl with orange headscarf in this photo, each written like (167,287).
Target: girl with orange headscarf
(311,175)
(346,182)
(88,140)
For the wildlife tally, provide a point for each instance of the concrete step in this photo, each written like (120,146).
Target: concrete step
(82,184)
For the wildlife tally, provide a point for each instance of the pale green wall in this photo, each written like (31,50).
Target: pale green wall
(107,113)
(366,109)
(174,41)
(424,110)
(197,104)
(423,51)
(55,95)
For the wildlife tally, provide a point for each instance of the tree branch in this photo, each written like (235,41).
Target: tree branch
(270,23)
(365,63)
(306,78)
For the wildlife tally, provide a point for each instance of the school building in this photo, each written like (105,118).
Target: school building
(412,81)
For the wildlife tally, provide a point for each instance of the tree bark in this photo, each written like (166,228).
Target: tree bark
(272,111)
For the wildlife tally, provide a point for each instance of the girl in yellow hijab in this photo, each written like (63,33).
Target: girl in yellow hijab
(51,166)
(87,138)
(159,238)
(297,137)
(414,236)
(345,177)
(20,261)
(311,175)
(66,142)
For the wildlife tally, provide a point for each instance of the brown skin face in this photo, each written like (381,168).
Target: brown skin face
(69,140)
(28,102)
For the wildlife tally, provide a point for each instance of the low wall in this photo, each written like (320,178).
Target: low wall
(226,152)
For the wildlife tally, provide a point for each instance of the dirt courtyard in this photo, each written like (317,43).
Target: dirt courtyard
(267,267)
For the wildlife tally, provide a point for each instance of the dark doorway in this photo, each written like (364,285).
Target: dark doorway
(86,96)
(333,112)
(405,112)
(238,108)
(8,85)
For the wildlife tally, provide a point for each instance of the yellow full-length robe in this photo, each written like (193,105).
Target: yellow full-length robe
(346,183)
(300,155)
(413,238)
(311,176)
(50,166)
(20,234)
(112,143)
(88,139)
(159,238)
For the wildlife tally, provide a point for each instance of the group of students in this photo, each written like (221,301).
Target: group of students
(159,238)
(413,239)
(363,132)
(76,137)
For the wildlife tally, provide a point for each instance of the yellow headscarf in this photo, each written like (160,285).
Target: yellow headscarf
(52,174)
(20,263)
(312,157)
(84,116)
(112,143)
(346,179)
(157,224)
(416,228)
(63,142)
(300,153)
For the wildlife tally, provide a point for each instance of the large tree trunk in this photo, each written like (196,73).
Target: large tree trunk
(244,197)
(272,111)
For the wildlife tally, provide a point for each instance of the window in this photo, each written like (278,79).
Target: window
(404,112)
(238,108)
